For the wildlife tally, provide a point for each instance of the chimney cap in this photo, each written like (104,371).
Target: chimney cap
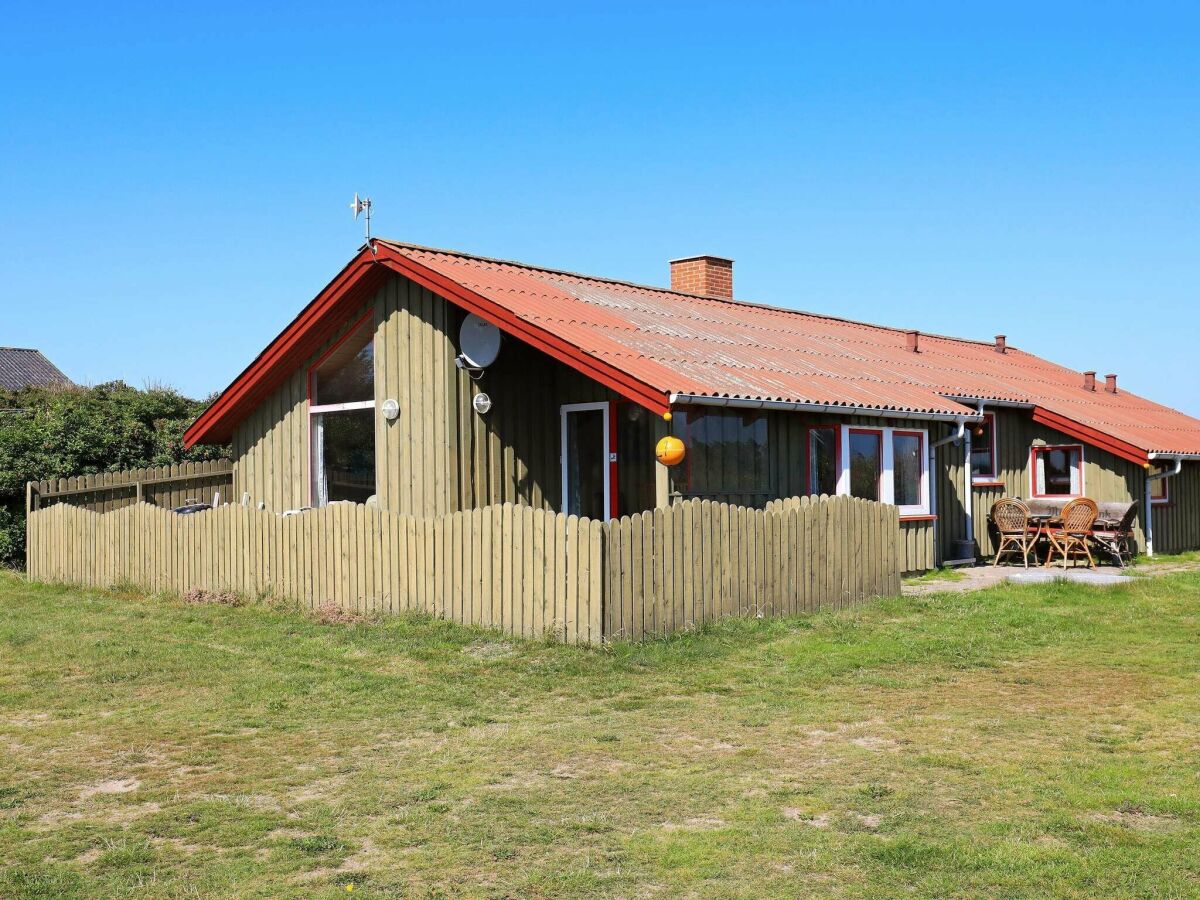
(701,256)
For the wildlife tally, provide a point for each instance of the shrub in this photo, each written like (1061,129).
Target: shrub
(56,432)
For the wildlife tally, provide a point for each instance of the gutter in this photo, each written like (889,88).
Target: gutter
(1150,479)
(984,401)
(823,408)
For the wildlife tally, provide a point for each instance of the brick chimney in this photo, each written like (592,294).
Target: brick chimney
(709,276)
(1089,381)
(1110,383)
(914,341)
(1001,343)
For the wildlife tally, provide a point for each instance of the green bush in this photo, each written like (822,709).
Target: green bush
(58,432)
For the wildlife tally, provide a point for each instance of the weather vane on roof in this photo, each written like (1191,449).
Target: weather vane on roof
(363,205)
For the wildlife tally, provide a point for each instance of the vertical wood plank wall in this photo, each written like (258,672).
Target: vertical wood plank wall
(522,570)
(1106,478)
(1177,523)
(787,448)
(440,456)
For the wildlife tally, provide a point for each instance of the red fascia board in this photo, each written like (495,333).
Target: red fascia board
(318,321)
(624,384)
(1091,436)
(295,342)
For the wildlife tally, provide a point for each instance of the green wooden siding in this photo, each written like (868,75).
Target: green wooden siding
(1106,478)
(440,456)
(1177,523)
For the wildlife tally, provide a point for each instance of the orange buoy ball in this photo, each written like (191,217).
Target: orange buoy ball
(670,451)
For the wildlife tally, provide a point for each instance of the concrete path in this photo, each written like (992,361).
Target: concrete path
(977,578)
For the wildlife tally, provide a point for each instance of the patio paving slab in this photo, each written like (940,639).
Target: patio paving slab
(977,578)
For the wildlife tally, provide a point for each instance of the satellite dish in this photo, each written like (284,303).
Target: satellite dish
(479,342)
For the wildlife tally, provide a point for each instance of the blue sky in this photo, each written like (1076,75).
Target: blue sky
(174,180)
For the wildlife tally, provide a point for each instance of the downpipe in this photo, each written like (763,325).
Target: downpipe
(1150,479)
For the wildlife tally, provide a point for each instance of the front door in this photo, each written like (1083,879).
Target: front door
(586,483)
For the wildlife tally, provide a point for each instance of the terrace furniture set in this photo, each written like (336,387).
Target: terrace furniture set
(1047,532)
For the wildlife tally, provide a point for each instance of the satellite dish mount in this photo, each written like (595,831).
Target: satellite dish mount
(478,344)
(363,206)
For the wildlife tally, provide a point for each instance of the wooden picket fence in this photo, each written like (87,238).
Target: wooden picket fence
(524,571)
(167,486)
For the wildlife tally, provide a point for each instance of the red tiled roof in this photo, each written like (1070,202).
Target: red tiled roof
(710,347)
(651,343)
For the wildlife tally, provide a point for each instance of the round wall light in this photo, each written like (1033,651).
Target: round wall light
(482,403)
(391,410)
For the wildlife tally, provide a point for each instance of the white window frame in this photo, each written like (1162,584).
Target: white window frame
(563,411)
(1165,499)
(887,483)
(994,477)
(317,493)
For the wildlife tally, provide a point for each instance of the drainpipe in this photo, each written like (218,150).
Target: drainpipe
(1150,479)
(969,485)
(959,435)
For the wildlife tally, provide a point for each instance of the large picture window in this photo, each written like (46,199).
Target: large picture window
(890,465)
(1057,471)
(341,407)
(908,468)
(866,464)
(726,452)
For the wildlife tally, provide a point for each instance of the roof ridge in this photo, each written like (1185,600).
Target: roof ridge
(666,290)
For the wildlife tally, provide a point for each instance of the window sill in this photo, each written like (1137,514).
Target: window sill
(919,517)
(987,483)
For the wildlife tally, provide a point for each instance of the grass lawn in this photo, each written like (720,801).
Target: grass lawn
(1016,741)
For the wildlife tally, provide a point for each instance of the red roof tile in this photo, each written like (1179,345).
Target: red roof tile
(651,343)
(683,344)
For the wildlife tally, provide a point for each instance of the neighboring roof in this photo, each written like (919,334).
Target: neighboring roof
(651,344)
(22,367)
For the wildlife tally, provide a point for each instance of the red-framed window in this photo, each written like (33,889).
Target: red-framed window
(824,459)
(865,451)
(983,449)
(1160,492)
(1056,471)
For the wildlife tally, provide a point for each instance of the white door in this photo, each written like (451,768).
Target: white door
(586,469)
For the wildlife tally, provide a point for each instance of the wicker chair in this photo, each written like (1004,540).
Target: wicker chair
(1070,538)
(1117,540)
(1011,518)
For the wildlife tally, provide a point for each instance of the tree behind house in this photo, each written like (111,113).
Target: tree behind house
(59,432)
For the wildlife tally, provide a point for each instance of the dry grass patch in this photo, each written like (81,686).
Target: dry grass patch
(1009,742)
